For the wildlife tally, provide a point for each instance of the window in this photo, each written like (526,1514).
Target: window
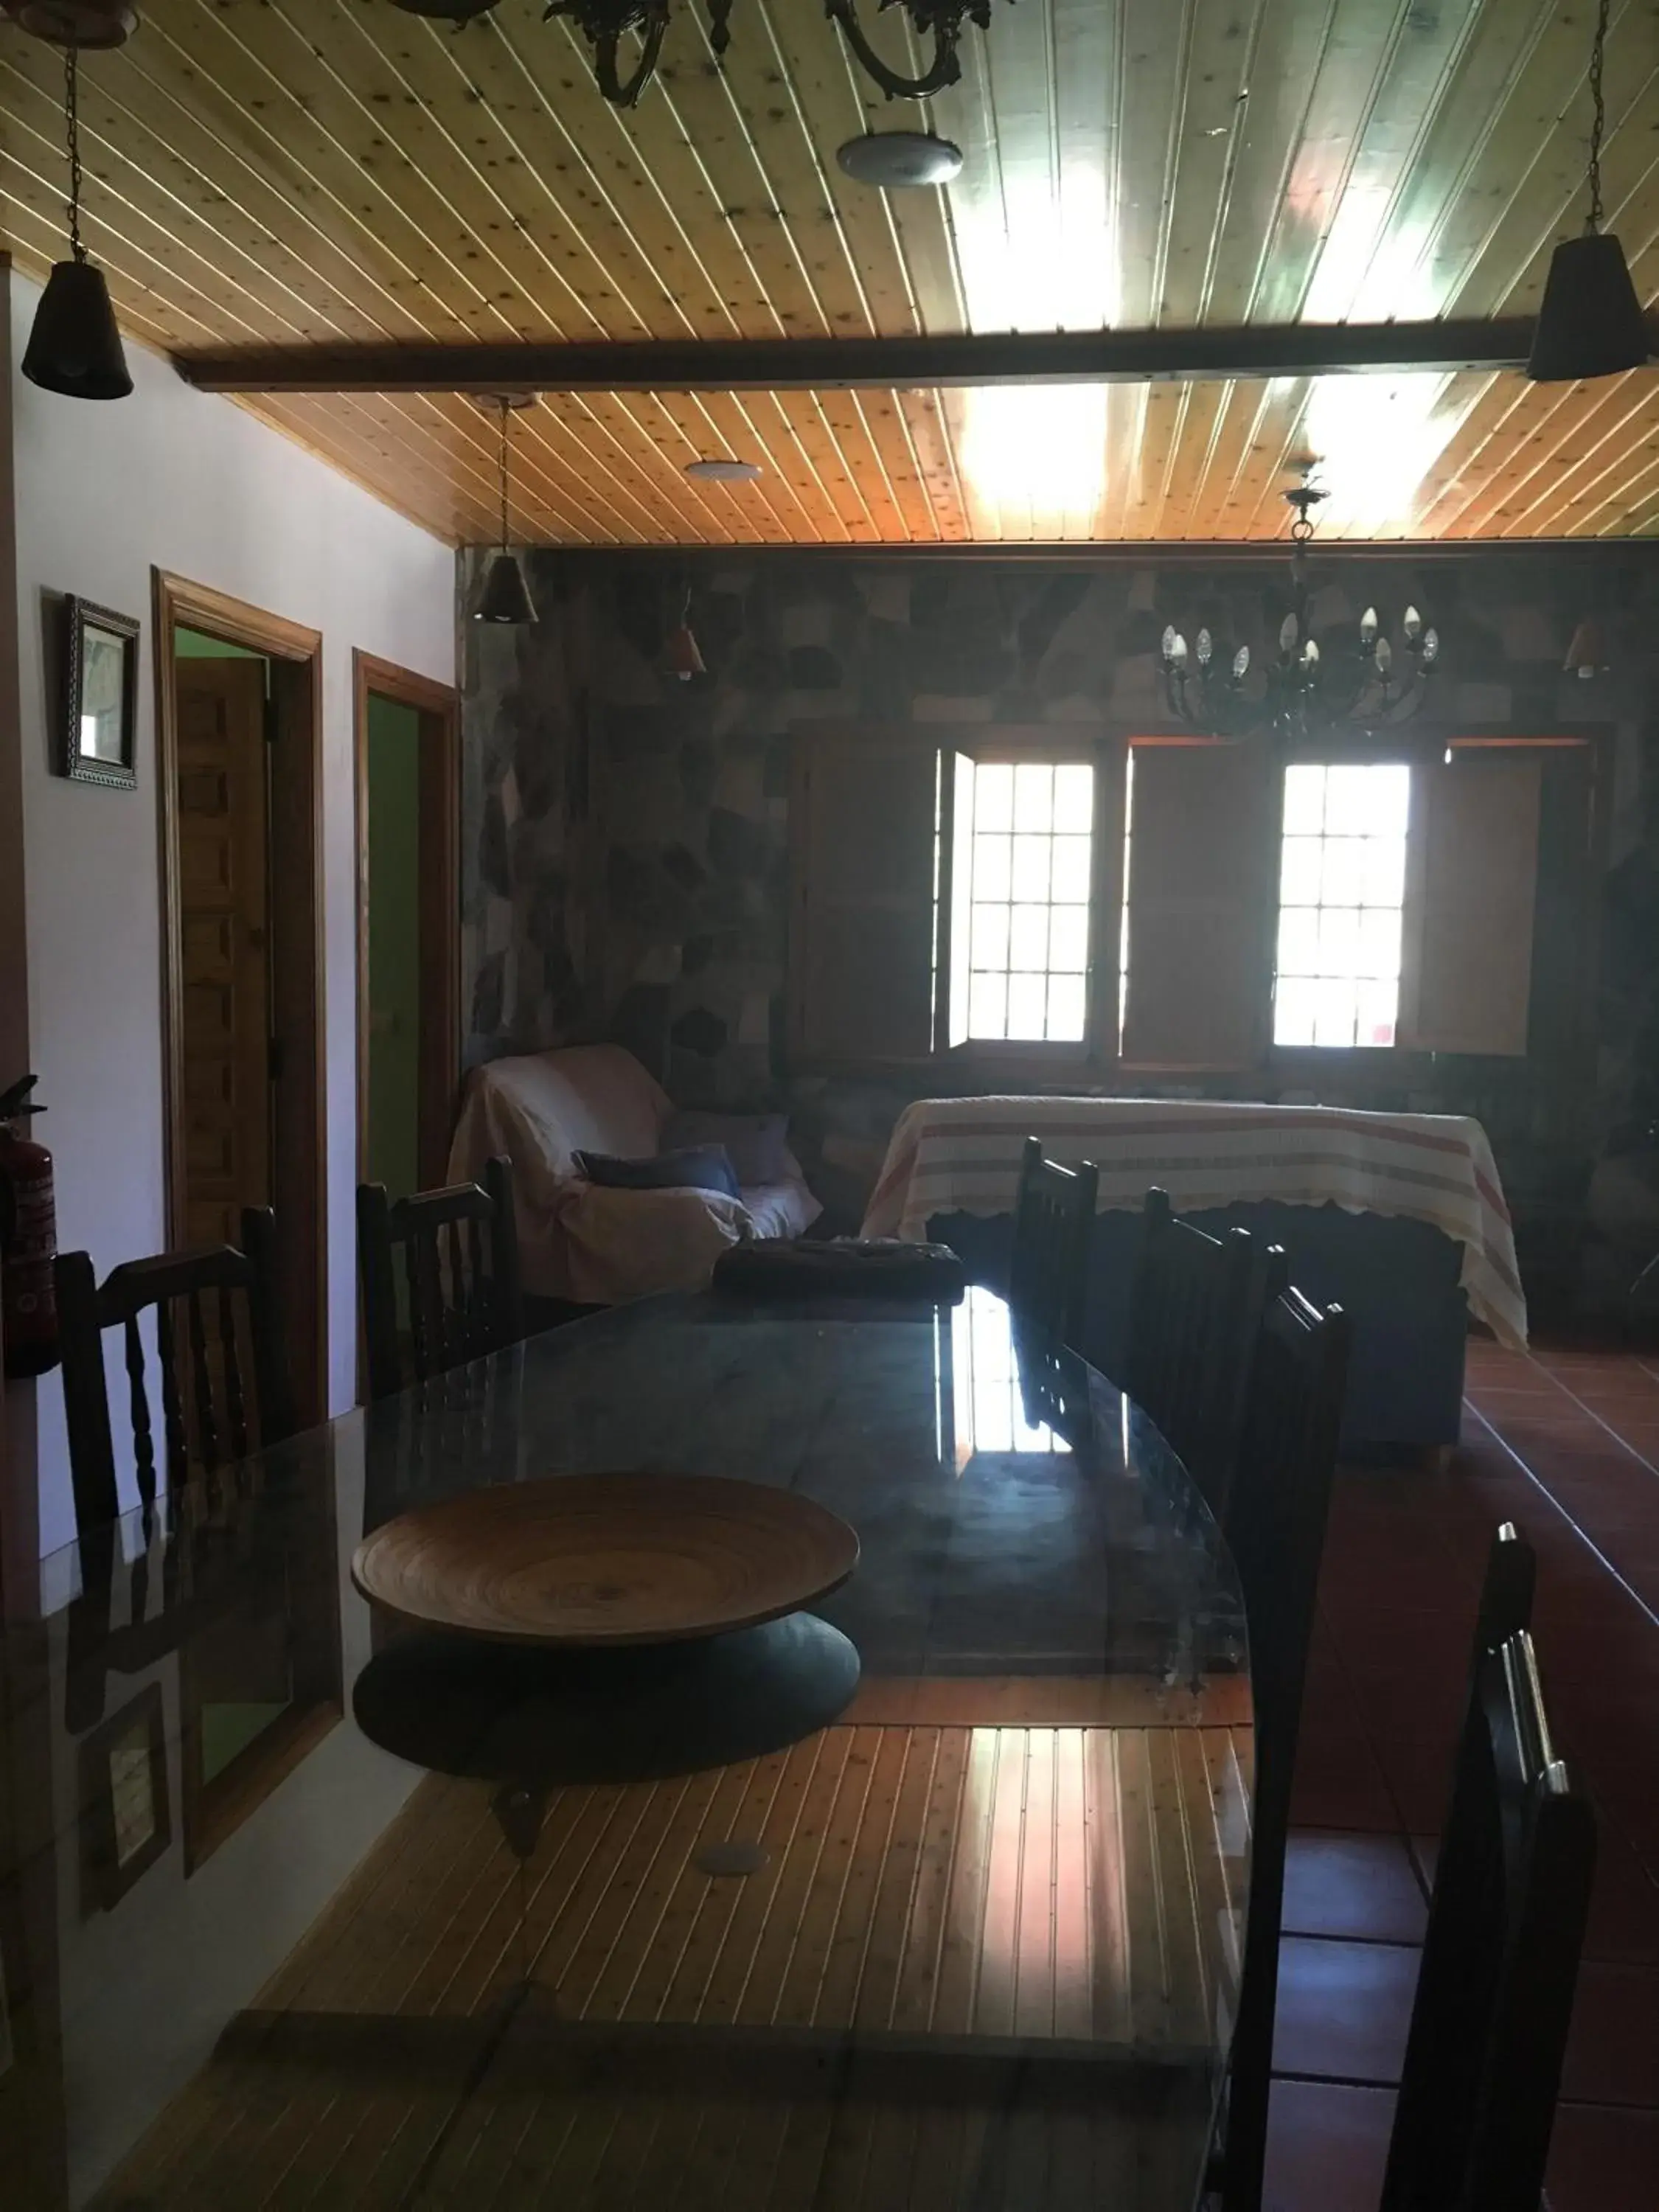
(958,893)
(1022,854)
(1341,900)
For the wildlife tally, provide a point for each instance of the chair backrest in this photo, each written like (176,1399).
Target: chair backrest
(1054,1223)
(1500,1957)
(1195,1312)
(1277,1508)
(220,1363)
(460,1252)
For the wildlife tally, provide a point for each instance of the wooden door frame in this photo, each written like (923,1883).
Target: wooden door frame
(438,707)
(295,894)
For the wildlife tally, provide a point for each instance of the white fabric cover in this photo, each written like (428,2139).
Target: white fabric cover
(578,1240)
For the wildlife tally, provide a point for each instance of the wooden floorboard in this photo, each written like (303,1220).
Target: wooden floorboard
(439,2038)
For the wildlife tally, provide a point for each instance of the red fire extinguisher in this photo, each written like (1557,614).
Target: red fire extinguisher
(29,1239)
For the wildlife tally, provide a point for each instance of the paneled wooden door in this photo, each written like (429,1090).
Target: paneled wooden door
(224,940)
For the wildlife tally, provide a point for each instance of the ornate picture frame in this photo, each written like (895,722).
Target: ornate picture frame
(97,739)
(125,1823)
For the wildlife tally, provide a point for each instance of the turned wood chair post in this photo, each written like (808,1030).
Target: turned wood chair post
(1275,1524)
(1054,1227)
(195,1381)
(85,1392)
(506,1284)
(458,1306)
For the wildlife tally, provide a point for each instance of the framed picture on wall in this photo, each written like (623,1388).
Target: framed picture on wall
(98,739)
(124,1822)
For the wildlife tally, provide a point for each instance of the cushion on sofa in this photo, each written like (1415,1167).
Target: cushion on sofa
(689,1167)
(757,1143)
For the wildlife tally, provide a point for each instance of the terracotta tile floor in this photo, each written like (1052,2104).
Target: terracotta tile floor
(1566,1445)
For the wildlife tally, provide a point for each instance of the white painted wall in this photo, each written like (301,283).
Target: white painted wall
(181,480)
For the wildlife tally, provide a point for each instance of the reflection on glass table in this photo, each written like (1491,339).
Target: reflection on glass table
(981,1927)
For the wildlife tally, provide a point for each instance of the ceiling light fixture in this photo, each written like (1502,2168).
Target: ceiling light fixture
(604,23)
(506,598)
(92,25)
(74,345)
(1302,691)
(718,469)
(898,161)
(1591,321)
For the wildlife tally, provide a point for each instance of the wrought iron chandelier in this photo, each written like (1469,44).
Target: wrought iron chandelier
(1372,683)
(938,24)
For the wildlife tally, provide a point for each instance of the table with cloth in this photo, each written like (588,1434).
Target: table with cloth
(1401,1217)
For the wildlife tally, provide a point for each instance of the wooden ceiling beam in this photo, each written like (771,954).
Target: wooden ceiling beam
(1135,356)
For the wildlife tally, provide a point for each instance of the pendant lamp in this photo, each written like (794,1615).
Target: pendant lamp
(74,347)
(1590,323)
(506,596)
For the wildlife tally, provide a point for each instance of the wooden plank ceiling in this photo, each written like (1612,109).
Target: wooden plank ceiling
(280,171)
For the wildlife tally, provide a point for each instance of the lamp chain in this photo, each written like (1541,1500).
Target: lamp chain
(505,412)
(72,116)
(1600,121)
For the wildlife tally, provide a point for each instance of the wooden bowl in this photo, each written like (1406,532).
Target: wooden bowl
(592,1561)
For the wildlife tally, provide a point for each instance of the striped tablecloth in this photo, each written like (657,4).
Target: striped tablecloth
(961,1156)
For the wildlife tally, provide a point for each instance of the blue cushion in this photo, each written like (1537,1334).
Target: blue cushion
(757,1143)
(693,1167)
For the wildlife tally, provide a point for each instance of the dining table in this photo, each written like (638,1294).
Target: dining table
(301,1907)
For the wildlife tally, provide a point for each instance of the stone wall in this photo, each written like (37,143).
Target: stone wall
(626,833)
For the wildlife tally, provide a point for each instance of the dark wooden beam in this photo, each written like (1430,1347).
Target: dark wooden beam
(827,364)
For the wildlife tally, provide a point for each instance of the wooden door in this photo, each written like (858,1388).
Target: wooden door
(224,942)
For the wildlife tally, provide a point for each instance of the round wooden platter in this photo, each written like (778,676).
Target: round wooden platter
(588,1562)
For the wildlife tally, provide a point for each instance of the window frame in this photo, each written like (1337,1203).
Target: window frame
(1062,744)
(1105,745)
(1420,747)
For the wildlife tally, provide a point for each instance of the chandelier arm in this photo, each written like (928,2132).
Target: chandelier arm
(946,69)
(605,71)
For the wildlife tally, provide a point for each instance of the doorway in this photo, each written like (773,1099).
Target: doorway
(238,737)
(408,925)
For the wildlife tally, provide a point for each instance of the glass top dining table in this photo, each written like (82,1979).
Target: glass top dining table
(272,1933)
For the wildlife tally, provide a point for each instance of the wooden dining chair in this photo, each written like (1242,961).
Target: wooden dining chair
(460,1258)
(219,1365)
(1276,1512)
(1196,1302)
(1499,1966)
(1054,1225)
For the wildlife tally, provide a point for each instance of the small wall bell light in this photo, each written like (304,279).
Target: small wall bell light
(505,598)
(74,346)
(680,650)
(1591,321)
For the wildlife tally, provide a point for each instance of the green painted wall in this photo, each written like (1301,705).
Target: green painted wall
(394,945)
(192,645)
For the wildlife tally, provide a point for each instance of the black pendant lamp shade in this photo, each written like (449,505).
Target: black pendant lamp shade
(505,598)
(1590,322)
(74,346)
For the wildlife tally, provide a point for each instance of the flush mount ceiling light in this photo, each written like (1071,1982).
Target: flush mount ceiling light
(92,25)
(74,346)
(894,160)
(505,598)
(717,470)
(604,23)
(1368,684)
(1591,321)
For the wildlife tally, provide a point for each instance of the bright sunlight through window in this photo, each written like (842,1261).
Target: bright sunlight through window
(1342,886)
(1020,900)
